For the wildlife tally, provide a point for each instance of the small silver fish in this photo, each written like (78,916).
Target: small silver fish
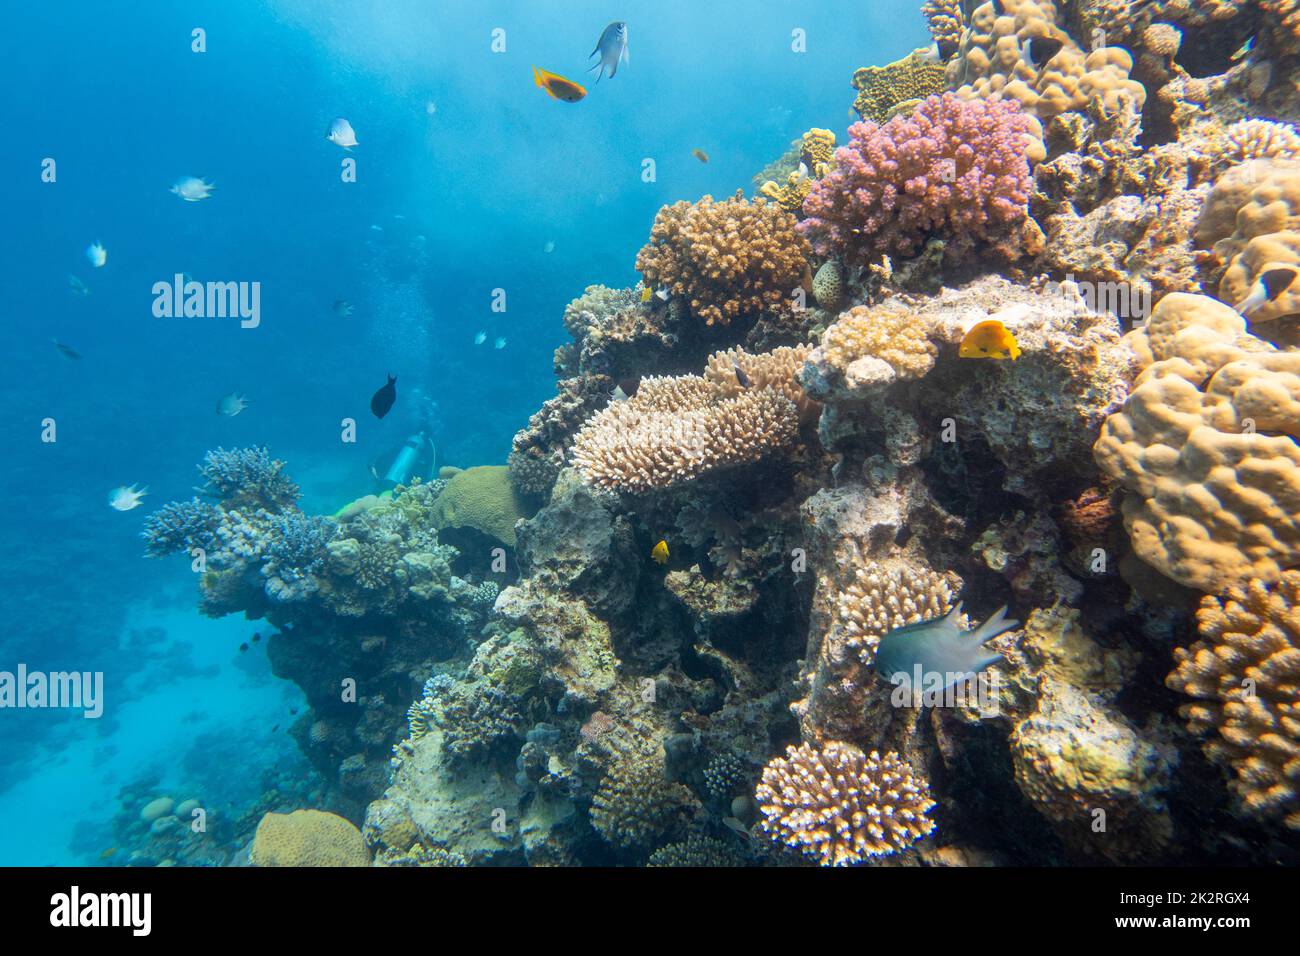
(940,646)
(480,338)
(231,405)
(343,308)
(342,134)
(612,47)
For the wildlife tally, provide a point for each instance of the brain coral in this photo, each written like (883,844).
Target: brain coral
(676,429)
(1245,675)
(952,168)
(481,498)
(307,838)
(726,259)
(841,806)
(1205,448)
(992,64)
(883,89)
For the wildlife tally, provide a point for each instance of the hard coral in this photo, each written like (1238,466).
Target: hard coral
(1205,448)
(307,838)
(247,477)
(841,806)
(481,498)
(884,90)
(636,804)
(1245,676)
(953,168)
(727,260)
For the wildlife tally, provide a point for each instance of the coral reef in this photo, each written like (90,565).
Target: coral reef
(954,169)
(726,260)
(885,91)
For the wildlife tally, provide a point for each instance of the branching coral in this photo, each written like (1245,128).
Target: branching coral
(247,477)
(1245,676)
(636,804)
(727,260)
(1261,139)
(883,596)
(296,553)
(777,370)
(1206,448)
(696,851)
(841,806)
(952,168)
(180,526)
(677,429)
(885,90)
(945,20)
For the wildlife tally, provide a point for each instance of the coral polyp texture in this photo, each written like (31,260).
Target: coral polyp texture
(1205,448)
(885,90)
(953,168)
(1244,674)
(881,597)
(675,430)
(841,806)
(726,259)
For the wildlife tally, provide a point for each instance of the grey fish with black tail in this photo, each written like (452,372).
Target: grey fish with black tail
(612,47)
(941,646)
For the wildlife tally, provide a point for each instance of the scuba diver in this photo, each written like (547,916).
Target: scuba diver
(417,456)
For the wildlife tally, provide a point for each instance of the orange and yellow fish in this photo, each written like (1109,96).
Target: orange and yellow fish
(557,87)
(701,155)
(659,553)
(989,339)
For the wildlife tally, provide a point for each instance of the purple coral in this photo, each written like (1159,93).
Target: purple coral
(953,168)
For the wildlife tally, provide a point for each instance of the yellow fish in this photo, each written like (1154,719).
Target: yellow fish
(646,293)
(701,155)
(558,87)
(108,853)
(660,552)
(989,339)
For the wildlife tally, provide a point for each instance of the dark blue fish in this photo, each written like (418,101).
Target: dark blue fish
(940,646)
(612,46)
(383,399)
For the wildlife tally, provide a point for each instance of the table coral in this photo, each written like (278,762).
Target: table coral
(953,169)
(1245,675)
(728,259)
(882,90)
(307,838)
(841,806)
(1205,448)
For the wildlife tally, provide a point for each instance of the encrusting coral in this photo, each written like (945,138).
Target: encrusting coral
(726,260)
(841,806)
(884,91)
(1245,675)
(953,169)
(1205,448)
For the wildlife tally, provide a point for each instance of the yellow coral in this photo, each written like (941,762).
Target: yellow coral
(1205,448)
(882,88)
(307,838)
(790,195)
(945,20)
(481,498)
(880,343)
(1245,674)
(816,153)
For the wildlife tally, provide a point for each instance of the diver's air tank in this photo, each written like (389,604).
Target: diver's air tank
(400,470)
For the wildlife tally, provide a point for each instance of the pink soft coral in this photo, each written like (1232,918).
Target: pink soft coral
(954,168)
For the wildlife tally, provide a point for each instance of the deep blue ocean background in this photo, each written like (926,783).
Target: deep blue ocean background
(456,146)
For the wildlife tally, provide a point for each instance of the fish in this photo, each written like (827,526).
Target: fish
(192,188)
(382,400)
(480,338)
(342,134)
(662,294)
(741,378)
(617,394)
(557,87)
(67,351)
(257,637)
(549,247)
(646,293)
(1267,288)
(97,254)
(612,47)
(231,405)
(1244,51)
(108,853)
(731,823)
(940,646)
(659,553)
(77,286)
(243,647)
(701,155)
(1040,50)
(430,107)
(989,339)
(500,343)
(126,498)
(343,308)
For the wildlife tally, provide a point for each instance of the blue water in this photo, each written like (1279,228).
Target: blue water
(456,146)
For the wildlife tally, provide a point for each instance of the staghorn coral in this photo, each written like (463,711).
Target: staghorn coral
(307,838)
(992,65)
(952,169)
(727,260)
(1205,448)
(841,806)
(884,595)
(636,804)
(247,477)
(884,91)
(1244,673)
(675,430)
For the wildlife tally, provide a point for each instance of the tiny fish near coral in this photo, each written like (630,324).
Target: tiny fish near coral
(659,553)
(989,339)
